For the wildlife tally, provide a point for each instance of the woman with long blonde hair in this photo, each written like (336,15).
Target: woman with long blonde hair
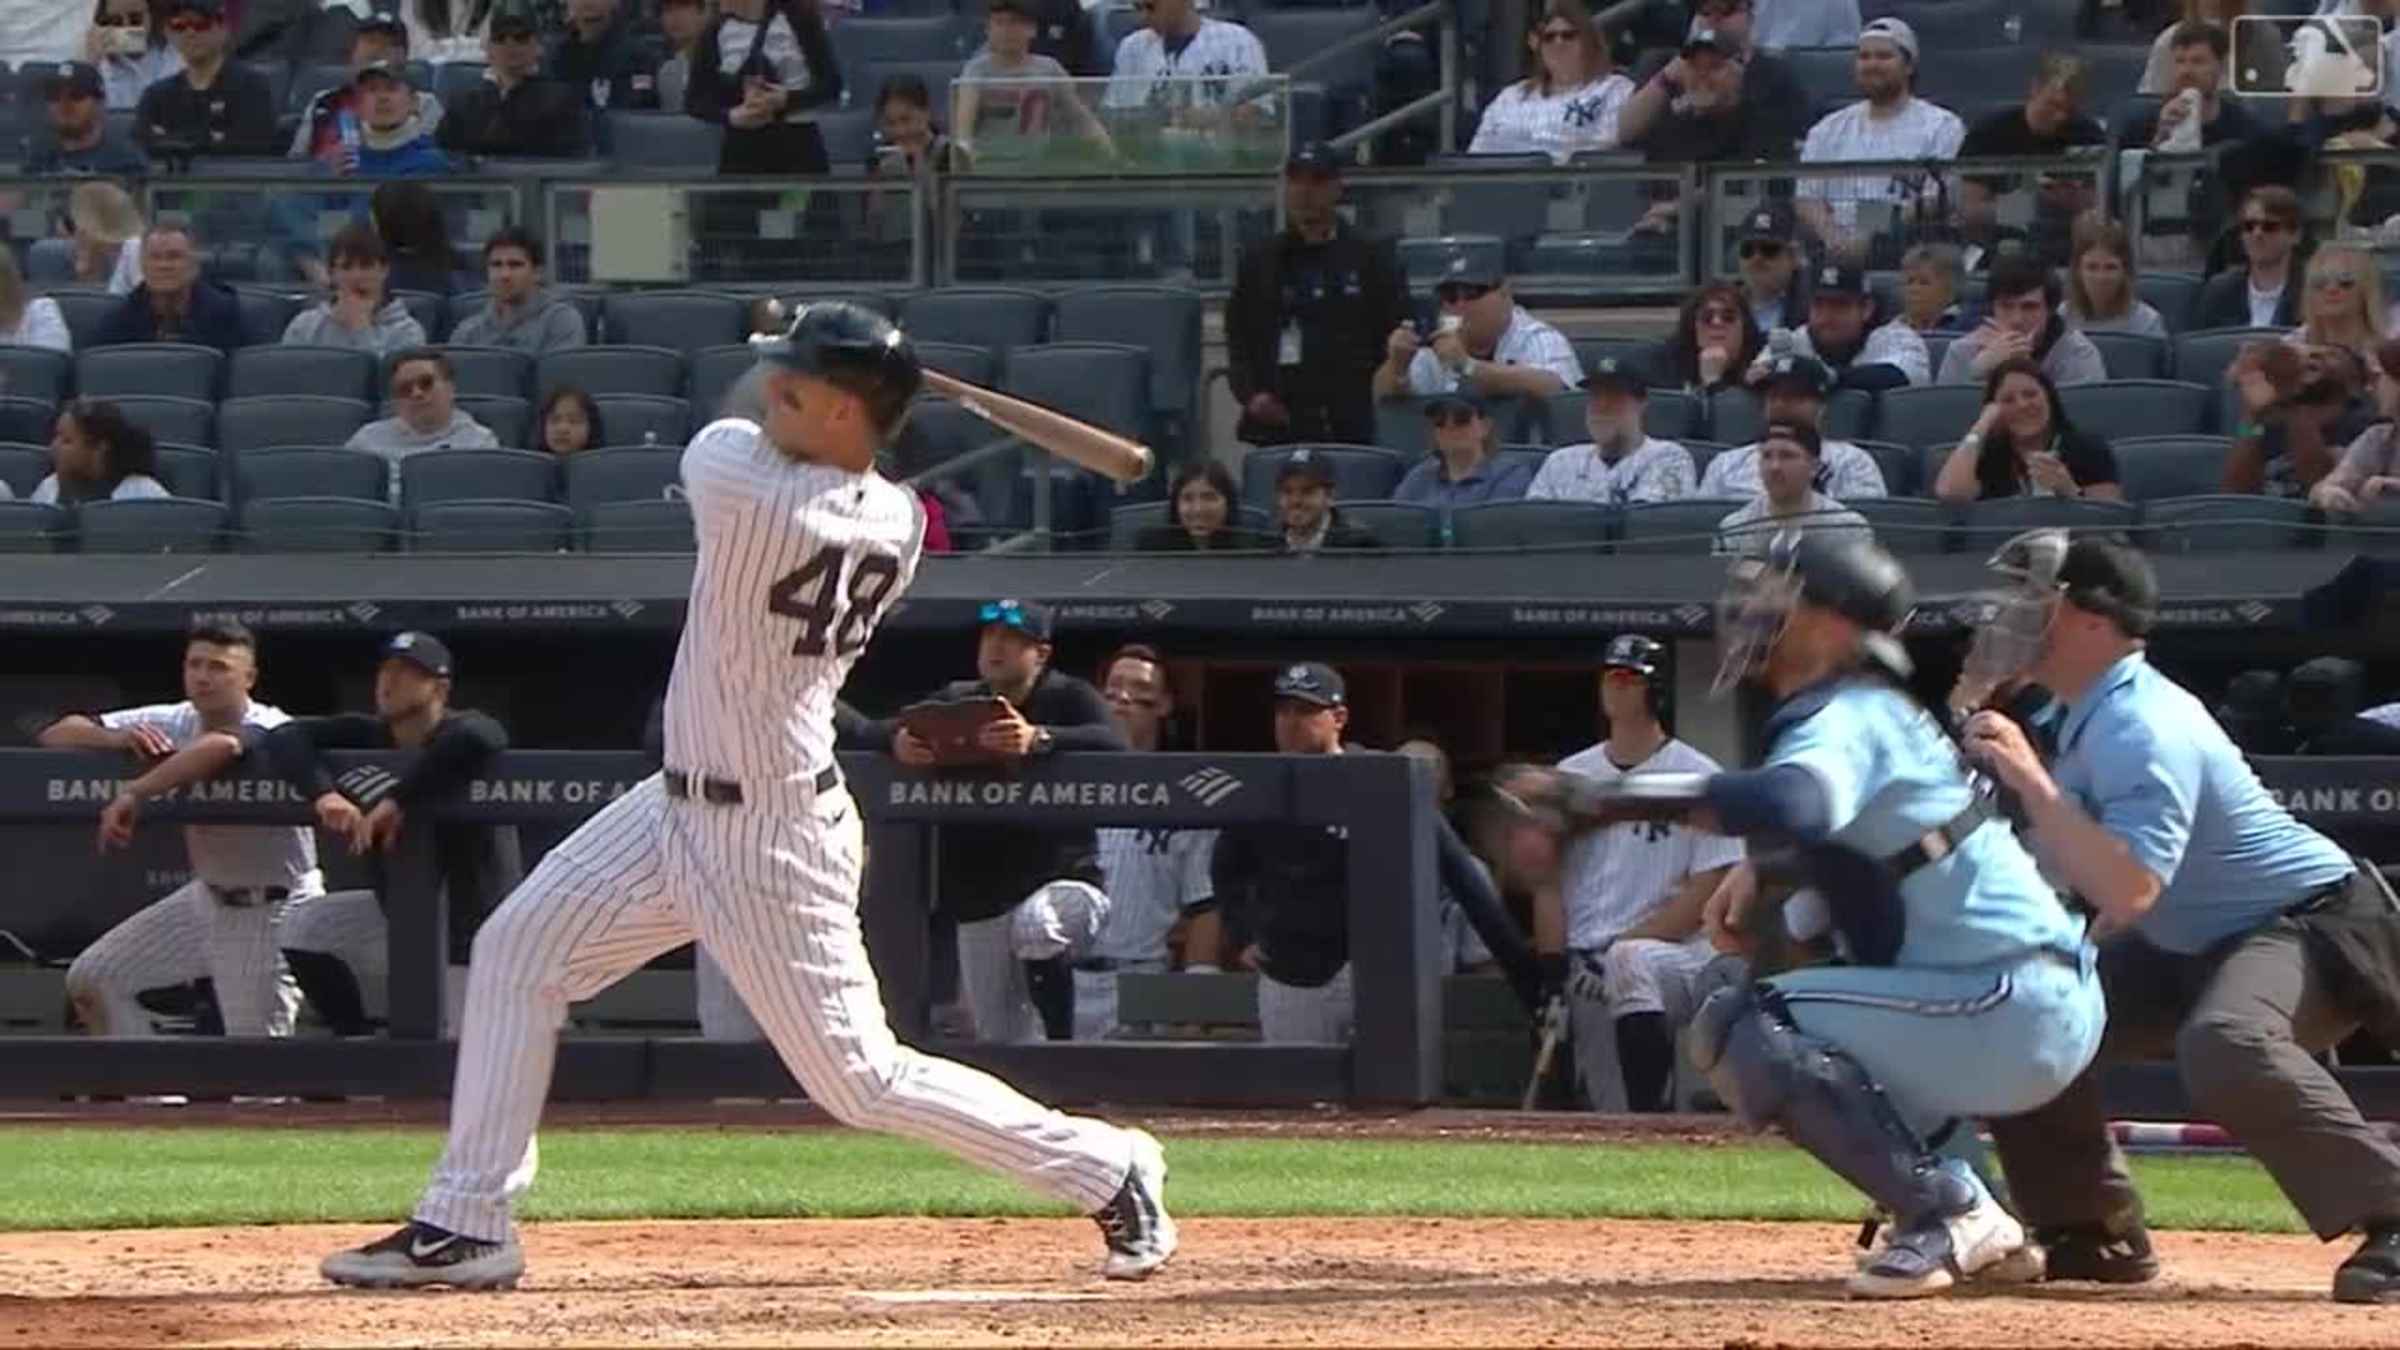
(2342,303)
(1570,101)
(28,320)
(107,236)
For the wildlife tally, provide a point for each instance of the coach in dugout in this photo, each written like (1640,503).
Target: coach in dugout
(339,951)
(1627,898)
(1024,899)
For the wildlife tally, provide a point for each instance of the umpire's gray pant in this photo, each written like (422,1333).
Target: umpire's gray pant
(1636,975)
(1290,1014)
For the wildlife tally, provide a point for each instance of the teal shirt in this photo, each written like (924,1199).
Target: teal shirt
(2147,761)
(1890,774)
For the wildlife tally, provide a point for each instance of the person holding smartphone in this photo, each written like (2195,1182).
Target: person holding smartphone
(2022,444)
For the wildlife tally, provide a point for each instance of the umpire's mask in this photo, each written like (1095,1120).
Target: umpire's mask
(1756,604)
(2011,620)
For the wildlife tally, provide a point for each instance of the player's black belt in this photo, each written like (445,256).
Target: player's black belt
(725,792)
(1941,841)
(246,897)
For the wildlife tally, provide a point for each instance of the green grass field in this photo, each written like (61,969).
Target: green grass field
(124,1178)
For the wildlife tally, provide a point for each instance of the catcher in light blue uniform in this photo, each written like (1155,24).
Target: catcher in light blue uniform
(1971,990)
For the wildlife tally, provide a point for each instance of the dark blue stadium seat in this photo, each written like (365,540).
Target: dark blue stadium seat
(26,421)
(865,45)
(23,467)
(1550,525)
(431,311)
(1396,525)
(661,525)
(28,528)
(2172,294)
(318,525)
(343,372)
(713,373)
(1164,320)
(246,424)
(188,421)
(150,525)
(310,471)
(2131,356)
(188,471)
(433,476)
(994,317)
(1685,526)
(1992,521)
(1927,414)
(85,311)
(1426,257)
(1363,472)
(624,475)
(492,526)
(454,80)
(1126,523)
(2203,355)
(1293,35)
(1104,383)
(2154,468)
(975,365)
(2113,409)
(1899,466)
(174,369)
(485,372)
(2217,523)
(673,142)
(613,370)
(1907,525)
(266,312)
(36,373)
(680,321)
(1824,74)
(645,420)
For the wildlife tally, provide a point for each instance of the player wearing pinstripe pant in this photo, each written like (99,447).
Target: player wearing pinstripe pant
(222,924)
(749,843)
(1628,898)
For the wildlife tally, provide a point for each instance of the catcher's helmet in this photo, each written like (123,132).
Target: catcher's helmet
(853,347)
(1850,577)
(1855,579)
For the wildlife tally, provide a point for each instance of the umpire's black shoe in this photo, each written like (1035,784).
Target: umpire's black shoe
(2372,1274)
(2099,1256)
(421,1254)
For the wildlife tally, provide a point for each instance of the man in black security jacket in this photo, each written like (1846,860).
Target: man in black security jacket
(1283,890)
(515,111)
(333,948)
(1010,887)
(1310,310)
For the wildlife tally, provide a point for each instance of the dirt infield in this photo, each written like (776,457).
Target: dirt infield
(1017,1281)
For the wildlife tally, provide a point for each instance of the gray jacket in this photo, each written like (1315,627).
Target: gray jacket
(395,441)
(394,329)
(546,324)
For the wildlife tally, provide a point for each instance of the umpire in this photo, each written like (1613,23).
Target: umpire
(2244,942)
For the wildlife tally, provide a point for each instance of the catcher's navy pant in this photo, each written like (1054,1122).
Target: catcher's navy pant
(770,890)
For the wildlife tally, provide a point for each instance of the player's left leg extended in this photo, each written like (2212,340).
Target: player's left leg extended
(337,950)
(774,889)
(255,989)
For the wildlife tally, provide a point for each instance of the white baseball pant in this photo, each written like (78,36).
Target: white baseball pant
(1289,1014)
(1637,975)
(350,927)
(1059,918)
(769,888)
(179,938)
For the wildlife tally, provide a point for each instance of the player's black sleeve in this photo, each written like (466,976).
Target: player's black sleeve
(1233,871)
(461,746)
(854,730)
(292,749)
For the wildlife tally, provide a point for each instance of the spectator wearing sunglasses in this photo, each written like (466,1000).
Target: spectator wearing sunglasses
(1714,341)
(2342,303)
(213,107)
(1718,99)
(1484,344)
(1622,464)
(426,415)
(1570,101)
(1768,258)
(515,111)
(1461,470)
(2260,293)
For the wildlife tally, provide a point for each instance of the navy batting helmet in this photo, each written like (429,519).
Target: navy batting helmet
(1645,657)
(856,349)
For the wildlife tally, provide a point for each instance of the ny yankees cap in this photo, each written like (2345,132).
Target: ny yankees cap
(1774,222)
(387,70)
(1806,372)
(1469,268)
(74,79)
(1312,682)
(1030,617)
(1610,372)
(1314,158)
(1704,38)
(1840,279)
(422,650)
(1305,464)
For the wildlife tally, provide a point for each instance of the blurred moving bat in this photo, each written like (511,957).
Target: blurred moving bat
(1103,452)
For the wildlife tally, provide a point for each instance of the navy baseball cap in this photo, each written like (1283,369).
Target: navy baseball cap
(76,79)
(1305,464)
(422,650)
(513,20)
(388,25)
(1840,279)
(207,9)
(1312,682)
(388,70)
(1030,617)
(1792,368)
(1468,269)
(1610,371)
(1314,157)
(1774,221)
(1441,406)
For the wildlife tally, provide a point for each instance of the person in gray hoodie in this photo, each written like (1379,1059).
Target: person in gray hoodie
(426,414)
(362,314)
(518,313)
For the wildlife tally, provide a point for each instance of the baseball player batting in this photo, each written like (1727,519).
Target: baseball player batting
(748,843)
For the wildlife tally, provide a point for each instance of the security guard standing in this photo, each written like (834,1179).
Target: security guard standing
(2244,942)
(1305,327)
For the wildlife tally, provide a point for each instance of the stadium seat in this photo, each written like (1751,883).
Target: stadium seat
(2122,408)
(997,318)
(490,526)
(865,45)
(1669,414)
(28,528)
(431,311)
(246,424)
(1397,525)
(510,420)
(174,369)
(613,370)
(663,525)
(1702,452)
(2216,523)
(1954,23)
(186,421)
(1989,522)
(849,135)
(1400,423)
(1963,75)
(36,373)
(26,421)
(1907,525)
(23,467)
(485,372)
(626,475)
(1104,383)
(1737,416)
(1163,320)
(938,431)
(2172,294)
(1550,525)
(310,471)
(658,140)
(266,312)
(2203,355)
(259,372)
(434,476)
(975,365)
(680,321)
(1685,526)
(1927,414)
(645,420)
(715,371)
(1898,465)
(1426,257)
(1291,36)
(318,525)
(85,312)
(1824,74)
(1126,523)
(2154,468)
(454,80)
(150,525)
(1360,472)
(188,471)
(2131,356)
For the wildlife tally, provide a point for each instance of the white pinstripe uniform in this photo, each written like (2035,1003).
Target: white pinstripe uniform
(1218,49)
(1654,471)
(192,931)
(1527,341)
(1153,878)
(1610,880)
(796,564)
(1523,120)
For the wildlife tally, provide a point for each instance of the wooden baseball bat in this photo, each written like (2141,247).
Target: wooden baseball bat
(1103,452)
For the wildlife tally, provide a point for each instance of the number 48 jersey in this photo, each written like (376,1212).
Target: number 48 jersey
(797,563)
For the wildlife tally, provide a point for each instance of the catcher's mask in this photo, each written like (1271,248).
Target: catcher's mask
(1755,607)
(2011,619)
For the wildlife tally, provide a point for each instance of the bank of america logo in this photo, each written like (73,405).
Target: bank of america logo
(96,615)
(1426,611)
(626,609)
(1210,786)
(365,611)
(2253,610)
(1156,610)
(1691,616)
